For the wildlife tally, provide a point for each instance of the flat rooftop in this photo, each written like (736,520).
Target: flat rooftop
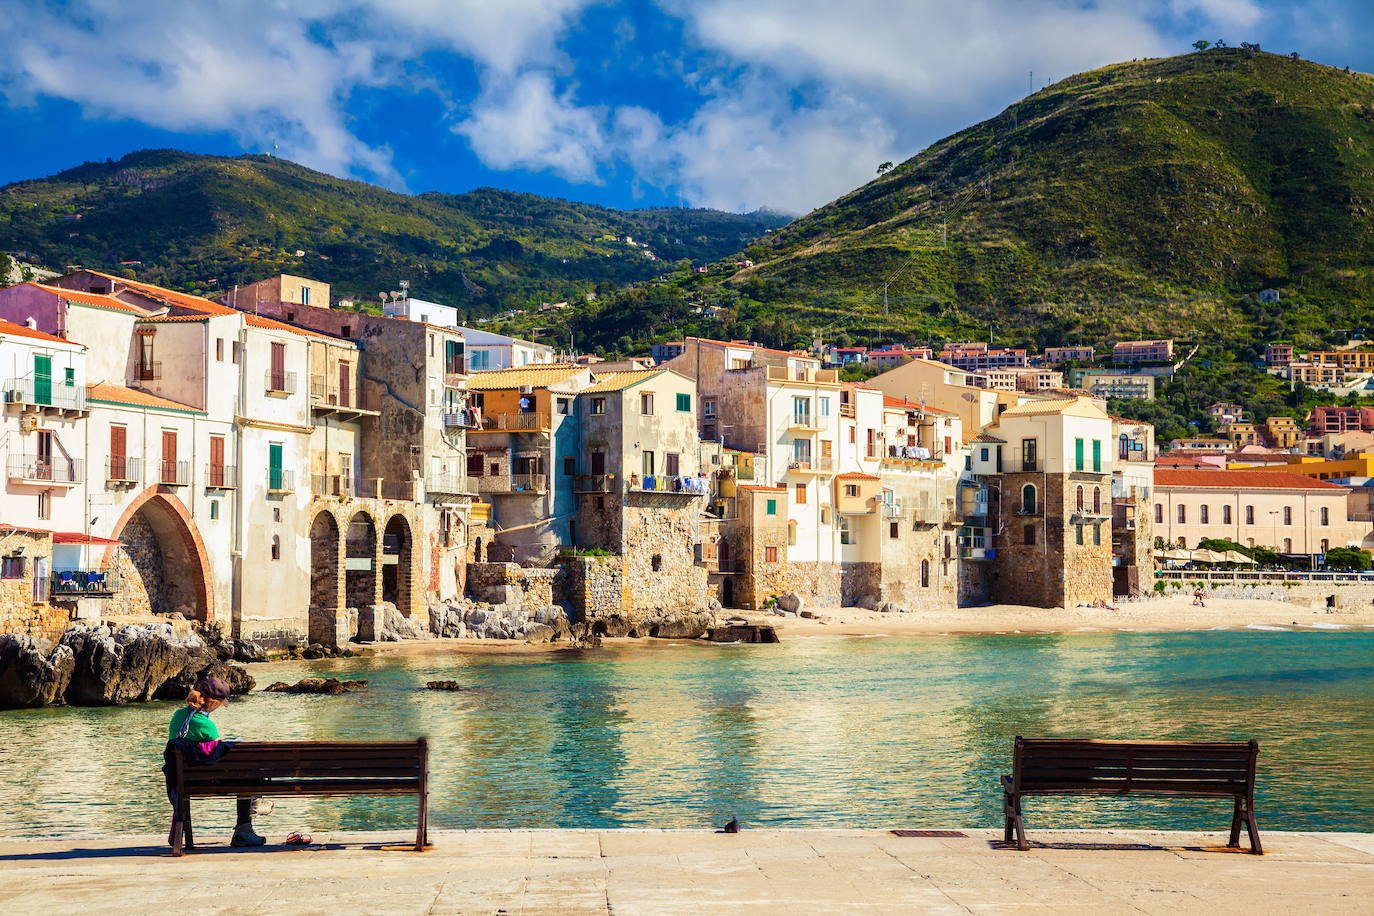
(654,871)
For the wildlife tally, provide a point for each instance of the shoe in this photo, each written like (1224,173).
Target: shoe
(244,836)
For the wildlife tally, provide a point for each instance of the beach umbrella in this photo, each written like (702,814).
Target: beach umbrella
(1208,556)
(1235,556)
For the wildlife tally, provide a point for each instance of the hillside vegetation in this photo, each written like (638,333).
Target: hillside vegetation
(205,223)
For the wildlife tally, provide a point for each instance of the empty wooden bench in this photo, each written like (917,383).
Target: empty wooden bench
(1061,766)
(277,768)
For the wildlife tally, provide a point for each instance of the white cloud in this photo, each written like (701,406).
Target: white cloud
(526,124)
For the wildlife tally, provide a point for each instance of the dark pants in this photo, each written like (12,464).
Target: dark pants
(245,812)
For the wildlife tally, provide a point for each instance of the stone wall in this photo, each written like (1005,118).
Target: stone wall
(1054,571)
(590,587)
(506,583)
(918,569)
(759,577)
(658,553)
(19,613)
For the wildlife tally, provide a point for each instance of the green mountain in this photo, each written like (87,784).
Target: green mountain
(1147,198)
(205,223)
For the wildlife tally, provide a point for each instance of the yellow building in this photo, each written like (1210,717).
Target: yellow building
(1361,465)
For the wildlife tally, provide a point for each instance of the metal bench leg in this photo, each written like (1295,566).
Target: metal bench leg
(1234,842)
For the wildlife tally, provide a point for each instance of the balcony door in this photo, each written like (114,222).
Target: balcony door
(119,453)
(42,379)
(345,384)
(278,367)
(169,456)
(44,468)
(216,461)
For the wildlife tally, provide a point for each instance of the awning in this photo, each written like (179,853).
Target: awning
(76,537)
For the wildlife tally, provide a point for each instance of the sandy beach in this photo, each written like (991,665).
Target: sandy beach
(1169,614)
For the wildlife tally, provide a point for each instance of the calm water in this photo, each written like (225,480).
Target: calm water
(818,732)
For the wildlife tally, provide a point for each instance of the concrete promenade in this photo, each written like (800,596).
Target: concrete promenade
(650,871)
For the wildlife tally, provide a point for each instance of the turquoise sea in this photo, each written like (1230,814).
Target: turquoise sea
(823,732)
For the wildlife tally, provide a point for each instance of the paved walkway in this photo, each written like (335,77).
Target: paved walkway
(764,871)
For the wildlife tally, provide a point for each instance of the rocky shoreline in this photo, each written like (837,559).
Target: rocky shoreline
(100,666)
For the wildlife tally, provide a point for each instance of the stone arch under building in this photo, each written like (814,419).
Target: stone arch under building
(326,580)
(398,575)
(161,559)
(360,561)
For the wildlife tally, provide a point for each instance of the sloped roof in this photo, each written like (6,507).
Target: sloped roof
(988,437)
(536,376)
(856,475)
(19,330)
(100,300)
(132,397)
(1076,407)
(619,381)
(1247,480)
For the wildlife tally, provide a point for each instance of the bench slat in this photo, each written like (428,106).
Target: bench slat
(1036,776)
(307,787)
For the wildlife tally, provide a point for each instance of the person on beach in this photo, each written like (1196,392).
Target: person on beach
(1198,598)
(195,734)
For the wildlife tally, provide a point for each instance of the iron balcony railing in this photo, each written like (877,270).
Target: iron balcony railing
(280,382)
(146,372)
(221,476)
(280,480)
(123,469)
(449,482)
(174,473)
(516,421)
(84,583)
(339,485)
(326,396)
(27,391)
(594,483)
(46,469)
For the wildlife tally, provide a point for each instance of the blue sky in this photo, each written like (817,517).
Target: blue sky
(734,104)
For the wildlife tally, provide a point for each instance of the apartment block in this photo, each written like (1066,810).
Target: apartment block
(1143,351)
(1289,513)
(1055,355)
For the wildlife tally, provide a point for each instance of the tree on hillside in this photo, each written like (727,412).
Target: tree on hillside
(884,167)
(1220,43)
(1202,45)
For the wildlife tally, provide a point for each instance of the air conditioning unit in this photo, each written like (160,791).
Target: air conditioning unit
(14,395)
(527,389)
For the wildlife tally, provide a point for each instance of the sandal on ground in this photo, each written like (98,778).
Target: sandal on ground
(298,839)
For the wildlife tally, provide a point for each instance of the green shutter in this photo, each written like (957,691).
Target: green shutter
(772,507)
(684,402)
(42,379)
(274,474)
(70,377)
(1078,456)
(1097,455)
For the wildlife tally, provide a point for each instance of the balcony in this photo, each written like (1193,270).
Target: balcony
(327,398)
(174,473)
(280,482)
(453,376)
(977,553)
(280,384)
(594,483)
(83,583)
(221,477)
(516,422)
(339,486)
(527,484)
(386,488)
(783,374)
(820,465)
(26,392)
(123,471)
(459,419)
(893,510)
(46,471)
(452,483)
(805,423)
(847,410)
(661,483)
(148,372)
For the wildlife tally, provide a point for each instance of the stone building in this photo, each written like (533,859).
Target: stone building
(1052,504)
(1133,529)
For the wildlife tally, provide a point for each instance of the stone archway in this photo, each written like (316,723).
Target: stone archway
(161,560)
(360,563)
(398,579)
(326,581)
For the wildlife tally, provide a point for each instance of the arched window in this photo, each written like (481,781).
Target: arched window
(276,547)
(1028,499)
(1159,513)
(1249,515)
(1326,545)
(1226,515)
(1287,545)
(1097,500)
(1203,514)
(1124,451)
(1288,515)
(1182,515)
(1325,519)
(1028,535)
(792,533)
(1078,498)
(925,574)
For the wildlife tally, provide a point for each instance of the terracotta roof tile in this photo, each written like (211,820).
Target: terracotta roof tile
(1168,477)
(537,376)
(856,475)
(19,330)
(619,381)
(132,397)
(99,300)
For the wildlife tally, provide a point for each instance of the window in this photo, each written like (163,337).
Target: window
(45,505)
(1078,457)
(708,432)
(770,554)
(1287,545)
(1097,535)
(801,411)
(216,462)
(824,406)
(431,345)
(1097,455)
(598,463)
(708,407)
(871,442)
(11,567)
(69,377)
(119,462)
(892,530)
(476,465)
(453,356)
(646,404)
(792,533)
(219,349)
(852,440)
(1097,500)
(1028,499)
(1123,447)
(1325,517)
(1288,515)
(275,476)
(1078,535)
(647,463)
(305,295)
(1203,515)
(564,406)
(1249,515)
(1028,535)
(800,494)
(214,509)
(1028,456)
(1078,498)
(983,455)
(146,363)
(1182,515)
(671,464)
(1159,513)
(801,452)
(1226,515)
(169,456)
(851,489)
(481,359)
(656,562)
(276,547)
(236,352)
(846,533)
(925,574)
(1326,545)
(598,406)
(684,403)
(825,515)
(569,465)
(772,507)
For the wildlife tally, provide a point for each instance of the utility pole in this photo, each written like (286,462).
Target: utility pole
(884,297)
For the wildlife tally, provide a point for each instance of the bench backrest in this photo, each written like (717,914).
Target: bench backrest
(1183,767)
(375,760)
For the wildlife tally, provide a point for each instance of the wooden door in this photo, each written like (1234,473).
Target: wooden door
(118,451)
(216,461)
(345,384)
(169,456)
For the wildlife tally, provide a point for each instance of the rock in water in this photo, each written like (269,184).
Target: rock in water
(445,685)
(31,673)
(127,666)
(330,686)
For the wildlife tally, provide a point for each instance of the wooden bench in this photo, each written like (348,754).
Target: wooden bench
(1060,766)
(254,768)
